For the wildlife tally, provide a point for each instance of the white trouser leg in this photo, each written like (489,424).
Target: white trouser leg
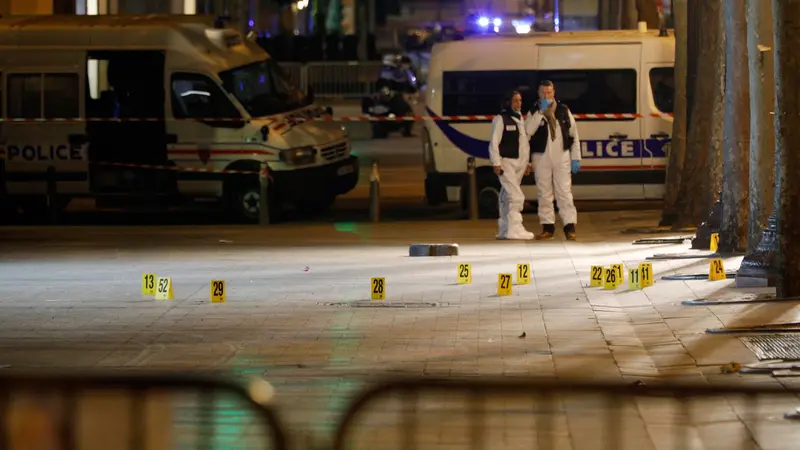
(543,172)
(502,219)
(562,186)
(512,200)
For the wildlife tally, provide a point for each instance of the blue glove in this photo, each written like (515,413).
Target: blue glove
(576,166)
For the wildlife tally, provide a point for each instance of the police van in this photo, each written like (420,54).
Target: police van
(160,108)
(619,83)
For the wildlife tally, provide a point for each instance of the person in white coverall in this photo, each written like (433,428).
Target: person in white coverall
(556,151)
(509,153)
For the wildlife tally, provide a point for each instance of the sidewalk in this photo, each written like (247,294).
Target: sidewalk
(72,300)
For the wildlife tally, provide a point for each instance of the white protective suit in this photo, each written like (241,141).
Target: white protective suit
(552,170)
(512,200)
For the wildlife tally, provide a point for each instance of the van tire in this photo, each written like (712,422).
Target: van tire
(243,201)
(488,195)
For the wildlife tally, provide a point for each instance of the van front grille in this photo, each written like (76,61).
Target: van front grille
(334,151)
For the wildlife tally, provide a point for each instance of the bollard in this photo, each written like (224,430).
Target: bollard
(473,189)
(375,194)
(52,195)
(263,206)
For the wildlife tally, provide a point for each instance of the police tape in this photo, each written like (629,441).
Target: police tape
(264,171)
(466,118)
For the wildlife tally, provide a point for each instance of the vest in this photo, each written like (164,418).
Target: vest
(509,144)
(542,134)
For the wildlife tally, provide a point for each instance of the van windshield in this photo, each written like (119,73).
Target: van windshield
(263,88)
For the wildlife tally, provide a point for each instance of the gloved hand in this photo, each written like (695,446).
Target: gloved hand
(576,166)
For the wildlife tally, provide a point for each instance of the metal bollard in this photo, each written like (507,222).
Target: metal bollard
(263,206)
(52,194)
(375,194)
(473,189)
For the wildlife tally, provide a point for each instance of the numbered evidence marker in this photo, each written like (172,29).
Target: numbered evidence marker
(634,282)
(523,274)
(149,284)
(716,270)
(504,284)
(596,276)
(714,242)
(217,291)
(620,274)
(609,279)
(645,274)
(378,288)
(164,288)
(464,274)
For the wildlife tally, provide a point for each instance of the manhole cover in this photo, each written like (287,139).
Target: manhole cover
(779,346)
(377,304)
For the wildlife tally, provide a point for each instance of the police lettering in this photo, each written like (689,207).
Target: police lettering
(43,153)
(606,149)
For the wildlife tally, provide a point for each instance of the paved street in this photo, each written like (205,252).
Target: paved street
(298,312)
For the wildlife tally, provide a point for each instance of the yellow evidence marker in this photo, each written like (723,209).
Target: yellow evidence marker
(217,291)
(149,284)
(609,279)
(634,282)
(504,284)
(378,288)
(596,276)
(714,242)
(464,274)
(164,288)
(619,268)
(523,274)
(645,275)
(716,270)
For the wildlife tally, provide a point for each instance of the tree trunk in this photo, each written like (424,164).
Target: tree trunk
(677,151)
(786,16)
(762,129)
(648,12)
(702,31)
(630,15)
(736,133)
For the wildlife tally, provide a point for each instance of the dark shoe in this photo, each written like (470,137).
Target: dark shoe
(569,232)
(548,230)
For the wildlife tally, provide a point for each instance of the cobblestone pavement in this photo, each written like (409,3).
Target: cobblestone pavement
(298,313)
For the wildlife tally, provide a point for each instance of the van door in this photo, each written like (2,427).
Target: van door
(127,135)
(600,80)
(657,93)
(44,130)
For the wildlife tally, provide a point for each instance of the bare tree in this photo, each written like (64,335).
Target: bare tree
(786,17)
(736,134)
(677,151)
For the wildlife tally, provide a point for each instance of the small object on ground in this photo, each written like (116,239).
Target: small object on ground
(794,415)
(522,336)
(638,383)
(225,241)
(306,269)
(733,367)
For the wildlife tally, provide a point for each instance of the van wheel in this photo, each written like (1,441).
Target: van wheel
(488,195)
(244,203)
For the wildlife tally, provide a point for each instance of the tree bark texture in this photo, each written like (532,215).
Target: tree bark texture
(630,15)
(762,127)
(786,16)
(677,151)
(736,133)
(699,98)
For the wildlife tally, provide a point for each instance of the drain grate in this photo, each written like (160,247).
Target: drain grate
(378,304)
(776,346)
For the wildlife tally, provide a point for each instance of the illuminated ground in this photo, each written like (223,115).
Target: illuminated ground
(71,299)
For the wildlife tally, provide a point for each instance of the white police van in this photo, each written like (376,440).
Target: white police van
(625,73)
(109,102)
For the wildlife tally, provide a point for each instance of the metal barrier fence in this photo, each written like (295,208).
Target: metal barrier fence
(133,413)
(515,414)
(347,80)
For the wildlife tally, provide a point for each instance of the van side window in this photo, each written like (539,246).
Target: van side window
(606,91)
(584,91)
(662,83)
(51,95)
(198,97)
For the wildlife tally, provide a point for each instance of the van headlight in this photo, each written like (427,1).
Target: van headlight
(299,156)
